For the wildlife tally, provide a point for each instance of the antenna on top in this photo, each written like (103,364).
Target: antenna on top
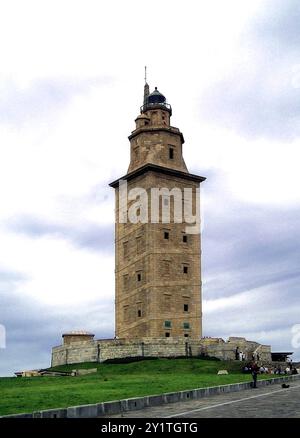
(146,88)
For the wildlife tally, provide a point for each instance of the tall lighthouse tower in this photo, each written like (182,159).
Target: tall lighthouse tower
(158,269)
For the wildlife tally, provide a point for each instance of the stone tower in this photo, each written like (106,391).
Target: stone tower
(158,271)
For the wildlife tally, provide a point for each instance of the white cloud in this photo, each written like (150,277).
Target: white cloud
(258,171)
(56,272)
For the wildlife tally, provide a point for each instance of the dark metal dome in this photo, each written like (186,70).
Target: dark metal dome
(156,97)
(154,100)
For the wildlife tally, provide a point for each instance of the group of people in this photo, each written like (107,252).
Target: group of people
(266,370)
(240,355)
(288,370)
(248,368)
(254,369)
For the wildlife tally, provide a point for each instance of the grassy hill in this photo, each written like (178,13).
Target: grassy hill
(113,382)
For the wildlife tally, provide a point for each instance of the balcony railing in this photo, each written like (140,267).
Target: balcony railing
(148,106)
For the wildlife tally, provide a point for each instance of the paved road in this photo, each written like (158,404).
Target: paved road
(267,402)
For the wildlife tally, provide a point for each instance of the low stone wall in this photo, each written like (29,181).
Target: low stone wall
(75,353)
(102,350)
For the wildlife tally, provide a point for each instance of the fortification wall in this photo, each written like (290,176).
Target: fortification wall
(227,350)
(75,353)
(102,350)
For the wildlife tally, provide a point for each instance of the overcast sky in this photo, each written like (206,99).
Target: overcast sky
(71,86)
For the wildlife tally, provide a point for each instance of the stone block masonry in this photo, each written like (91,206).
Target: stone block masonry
(157,269)
(103,350)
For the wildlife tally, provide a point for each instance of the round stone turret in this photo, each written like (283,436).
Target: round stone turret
(142,120)
(77,336)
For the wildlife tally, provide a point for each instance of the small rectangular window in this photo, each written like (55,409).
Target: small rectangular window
(185,307)
(139,313)
(139,276)
(168,324)
(186,325)
(167,335)
(186,335)
(171,153)
(166,235)
(184,238)
(185,269)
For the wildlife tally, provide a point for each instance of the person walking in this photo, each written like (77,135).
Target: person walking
(254,372)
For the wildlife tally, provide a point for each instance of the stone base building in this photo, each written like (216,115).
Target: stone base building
(83,348)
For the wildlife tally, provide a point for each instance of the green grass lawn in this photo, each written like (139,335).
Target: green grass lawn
(113,382)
